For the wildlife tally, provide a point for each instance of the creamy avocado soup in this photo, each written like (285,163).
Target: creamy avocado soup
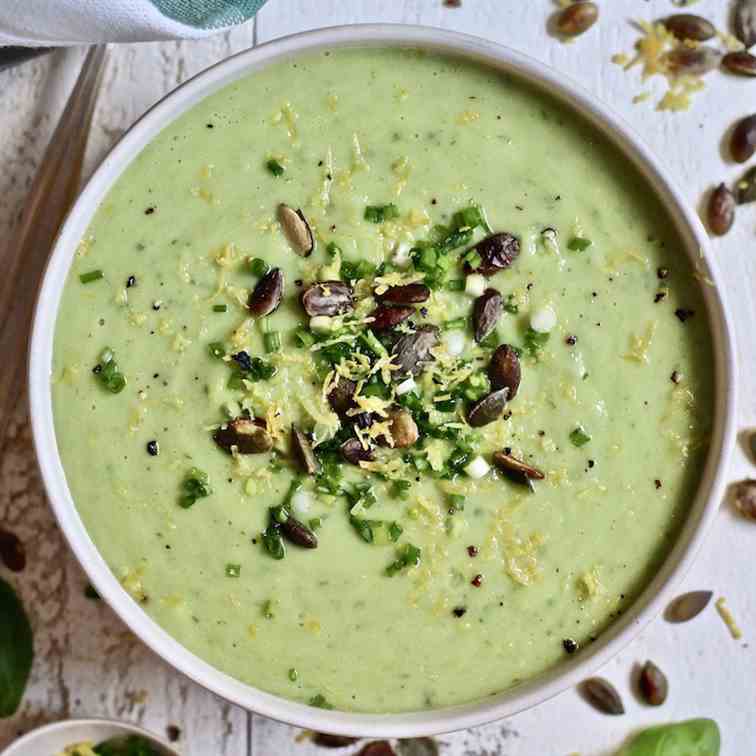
(381,381)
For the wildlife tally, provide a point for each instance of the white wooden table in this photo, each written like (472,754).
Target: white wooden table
(88,664)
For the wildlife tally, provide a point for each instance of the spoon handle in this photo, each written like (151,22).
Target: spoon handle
(53,190)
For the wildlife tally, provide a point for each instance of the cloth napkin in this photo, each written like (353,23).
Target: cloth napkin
(47,23)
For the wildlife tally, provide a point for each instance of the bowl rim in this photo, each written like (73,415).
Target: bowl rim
(694,240)
(65,732)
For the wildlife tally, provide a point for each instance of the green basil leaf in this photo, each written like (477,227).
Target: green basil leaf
(695,737)
(16,650)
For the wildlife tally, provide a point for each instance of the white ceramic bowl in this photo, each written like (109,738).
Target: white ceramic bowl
(535,691)
(53,738)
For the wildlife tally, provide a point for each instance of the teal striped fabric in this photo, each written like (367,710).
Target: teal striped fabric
(209,14)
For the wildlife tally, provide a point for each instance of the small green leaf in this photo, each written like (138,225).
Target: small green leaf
(16,650)
(695,737)
(578,244)
(579,437)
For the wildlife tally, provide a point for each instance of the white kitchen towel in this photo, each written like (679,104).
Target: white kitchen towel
(47,23)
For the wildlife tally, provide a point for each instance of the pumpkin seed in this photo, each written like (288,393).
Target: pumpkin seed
(745,22)
(413,351)
(354,453)
(721,211)
(743,140)
(299,534)
(653,685)
(504,370)
(745,498)
(602,695)
(267,294)
(519,471)
(691,61)
(324,740)
(303,451)
(297,230)
(746,188)
(687,606)
(576,19)
(496,252)
(403,429)
(690,26)
(341,396)
(741,63)
(413,293)
(488,409)
(386,317)
(327,298)
(248,436)
(377,748)
(12,551)
(487,310)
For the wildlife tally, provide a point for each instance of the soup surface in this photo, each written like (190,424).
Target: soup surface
(480,511)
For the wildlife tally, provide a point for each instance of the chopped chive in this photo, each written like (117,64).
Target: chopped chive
(457,324)
(93,275)
(217,350)
(274,167)
(370,340)
(332,248)
(381,213)
(579,437)
(107,372)
(578,244)
(267,610)
(220,308)
(258,266)
(315,523)
(395,531)
(293,674)
(233,570)
(456,284)
(272,341)
(303,338)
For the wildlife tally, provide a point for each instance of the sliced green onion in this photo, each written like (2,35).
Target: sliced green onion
(220,308)
(195,486)
(303,338)
(274,167)
(457,324)
(272,342)
(456,284)
(381,213)
(233,570)
(293,674)
(258,266)
(93,275)
(332,248)
(456,503)
(407,556)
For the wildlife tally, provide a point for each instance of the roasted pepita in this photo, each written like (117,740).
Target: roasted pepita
(744,495)
(745,22)
(297,230)
(687,606)
(721,210)
(690,26)
(652,684)
(577,18)
(602,695)
(743,140)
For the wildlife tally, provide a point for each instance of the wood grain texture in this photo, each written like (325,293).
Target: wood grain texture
(87,662)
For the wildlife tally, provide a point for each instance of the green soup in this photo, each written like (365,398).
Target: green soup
(445,570)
